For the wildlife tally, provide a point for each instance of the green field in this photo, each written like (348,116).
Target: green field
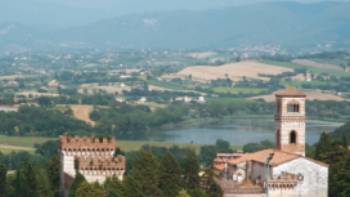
(238,90)
(309,68)
(299,84)
(10,143)
(167,85)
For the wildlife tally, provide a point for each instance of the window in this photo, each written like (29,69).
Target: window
(293,137)
(293,108)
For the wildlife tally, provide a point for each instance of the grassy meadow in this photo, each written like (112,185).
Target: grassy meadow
(314,70)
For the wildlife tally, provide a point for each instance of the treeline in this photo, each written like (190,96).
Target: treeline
(129,121)
(342,133)
(151,172)
(31,120)
(336,153)
(29,176)
(327,110)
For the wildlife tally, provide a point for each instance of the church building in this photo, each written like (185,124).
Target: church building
(92,157)
(280,172)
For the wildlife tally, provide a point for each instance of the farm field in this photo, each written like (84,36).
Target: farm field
(311,95)
(154,85)
(234,71)
(312,69)
(165,85)
(111,88)
(15,144)
(237,90)
(307,62)
(82,112)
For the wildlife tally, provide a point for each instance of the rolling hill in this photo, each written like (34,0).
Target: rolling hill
(287,24)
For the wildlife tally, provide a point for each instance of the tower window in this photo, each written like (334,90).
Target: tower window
(293,137)
(293,108)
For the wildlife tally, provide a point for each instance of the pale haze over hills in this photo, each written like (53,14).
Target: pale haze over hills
(174,24)
(78,12)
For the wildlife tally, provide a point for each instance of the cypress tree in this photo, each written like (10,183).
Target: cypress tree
(53,170)
(79,179)
(3,178)
(170,176)
(191,169)
(114,187)
(145,174)
(43,184)
(25,183)
(323,147)
(89,190)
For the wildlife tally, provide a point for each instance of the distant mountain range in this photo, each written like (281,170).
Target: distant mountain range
(290,25)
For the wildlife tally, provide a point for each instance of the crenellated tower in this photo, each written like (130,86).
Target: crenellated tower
(92,157)
(290,121)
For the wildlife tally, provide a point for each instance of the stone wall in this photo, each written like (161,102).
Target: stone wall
(314,183)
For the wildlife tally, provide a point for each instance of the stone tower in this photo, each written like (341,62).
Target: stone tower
(290,121)
(92,157)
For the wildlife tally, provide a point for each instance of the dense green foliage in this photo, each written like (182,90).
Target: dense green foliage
(337,155)
(343,132)
(208,152)
(252,147)
(170,176)
(134,121)
(90,190)
(163,172)
(3,174)
(78,181)
(128,121)
(39,121)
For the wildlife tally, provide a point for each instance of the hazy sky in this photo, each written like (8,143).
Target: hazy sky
(80,12)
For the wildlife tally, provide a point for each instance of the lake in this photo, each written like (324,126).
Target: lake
(239,132)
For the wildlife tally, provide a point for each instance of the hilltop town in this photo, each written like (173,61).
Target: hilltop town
(186,98)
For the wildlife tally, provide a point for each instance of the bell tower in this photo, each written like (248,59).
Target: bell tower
(290,121)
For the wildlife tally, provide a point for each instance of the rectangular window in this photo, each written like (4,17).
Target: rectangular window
(293,108)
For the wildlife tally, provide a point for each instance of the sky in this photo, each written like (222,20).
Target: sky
(81,12)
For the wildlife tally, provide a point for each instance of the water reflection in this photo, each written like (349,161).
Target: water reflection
(240,132)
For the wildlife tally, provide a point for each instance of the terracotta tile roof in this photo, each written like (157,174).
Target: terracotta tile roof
(290,91)
(70,143)
(223,158)
(101,163)
(279,157)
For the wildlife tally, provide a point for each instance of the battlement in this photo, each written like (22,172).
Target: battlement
(83,144)
(101,163)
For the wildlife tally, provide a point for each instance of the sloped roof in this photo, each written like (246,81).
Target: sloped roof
(279,157)
(290,91)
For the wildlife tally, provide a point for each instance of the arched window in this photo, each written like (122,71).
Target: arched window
(293,107)
(293,137)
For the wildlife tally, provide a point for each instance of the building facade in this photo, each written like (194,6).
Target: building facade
(92,157)
(283,171)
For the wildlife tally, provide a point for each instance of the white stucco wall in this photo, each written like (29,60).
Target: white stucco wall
(101,177)
(315,183)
